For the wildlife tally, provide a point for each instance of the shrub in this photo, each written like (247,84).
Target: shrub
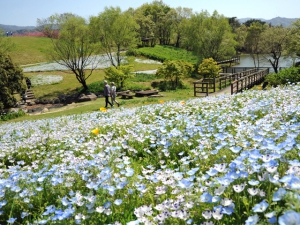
(95,87)
(11,115)
(136,87)
(131,52)
(285,76)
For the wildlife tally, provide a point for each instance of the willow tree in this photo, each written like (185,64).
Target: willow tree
(294,42)
(74,50)
(162,18)
(274,43)
(252,42)
(209,36)
(115,31)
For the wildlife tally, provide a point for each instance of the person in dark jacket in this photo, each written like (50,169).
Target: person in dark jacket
(107,94)
(28,82)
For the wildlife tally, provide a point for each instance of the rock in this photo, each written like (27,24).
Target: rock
(88,97)
(31,103)
(45,110)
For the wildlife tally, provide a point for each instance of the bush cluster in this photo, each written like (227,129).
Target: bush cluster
(285,76)
(11,115)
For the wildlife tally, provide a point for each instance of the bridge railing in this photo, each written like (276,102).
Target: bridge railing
(248,81)
(209,85)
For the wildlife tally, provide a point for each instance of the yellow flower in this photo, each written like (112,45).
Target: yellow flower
(161,101)
(103,109)
(182,102)
(95,131)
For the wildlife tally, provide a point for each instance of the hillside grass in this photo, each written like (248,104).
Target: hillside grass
(30,50)
(164,53)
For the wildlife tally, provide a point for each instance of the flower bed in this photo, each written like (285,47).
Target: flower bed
(41,79)
(214,160)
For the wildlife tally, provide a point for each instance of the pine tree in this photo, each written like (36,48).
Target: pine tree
(11,82)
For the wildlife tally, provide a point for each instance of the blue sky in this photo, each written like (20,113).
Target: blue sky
(26,12)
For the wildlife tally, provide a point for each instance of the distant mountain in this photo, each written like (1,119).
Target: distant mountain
(277,21)
(13,28)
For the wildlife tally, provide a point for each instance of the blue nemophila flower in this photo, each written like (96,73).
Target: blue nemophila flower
(207,214)
(271,217)
(206,197)
(235,149)
(118,202)
(217,212)
(289,218)
(184,183)
(134,222)
(253,191)
(192,171)
(24,214)
(239,187)
(216,199)
(279,194)
(107,205)
(260,207)
(49,209)
(220,167)
(253,182)
(212,172)
(252,220)
(11,220)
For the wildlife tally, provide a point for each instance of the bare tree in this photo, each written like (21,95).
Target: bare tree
(73,47)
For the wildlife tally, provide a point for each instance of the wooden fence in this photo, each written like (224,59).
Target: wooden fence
(209,85)
(248,81)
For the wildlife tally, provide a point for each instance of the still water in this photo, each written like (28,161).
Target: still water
(247,61)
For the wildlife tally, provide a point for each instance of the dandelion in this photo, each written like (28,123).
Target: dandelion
(161,101)
(102,109)
(182,102)
(96,131)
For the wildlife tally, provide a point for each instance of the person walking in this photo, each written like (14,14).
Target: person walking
(28,82)
(107,94)
(113,93)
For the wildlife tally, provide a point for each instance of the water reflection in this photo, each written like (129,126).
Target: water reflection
(247,61)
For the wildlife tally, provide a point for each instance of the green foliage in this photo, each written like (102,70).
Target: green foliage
(11,82)
(115,31)
(119,74)
(209,68)
(209,36)
(95,87)
(12,115)
(131,52)
(136,87)
(173,71)
(143,77)
(290,75)
(163,53)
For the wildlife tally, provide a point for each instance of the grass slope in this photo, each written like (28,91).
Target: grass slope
(30,50)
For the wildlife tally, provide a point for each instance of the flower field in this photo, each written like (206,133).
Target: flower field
(214,160)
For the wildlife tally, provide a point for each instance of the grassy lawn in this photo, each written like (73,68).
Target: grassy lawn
(30,50)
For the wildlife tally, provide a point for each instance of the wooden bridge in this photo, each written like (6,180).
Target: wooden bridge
(236,82)
(231,60)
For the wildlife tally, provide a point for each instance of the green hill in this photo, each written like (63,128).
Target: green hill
(30,50)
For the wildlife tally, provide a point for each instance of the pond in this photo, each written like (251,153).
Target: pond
(247,61)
